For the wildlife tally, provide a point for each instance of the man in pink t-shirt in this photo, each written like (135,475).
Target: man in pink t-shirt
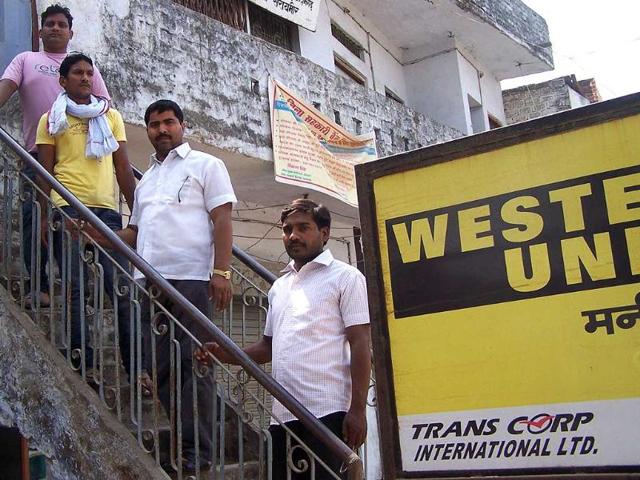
(35,76)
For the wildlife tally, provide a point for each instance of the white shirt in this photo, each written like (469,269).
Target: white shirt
(171,211)
(309,311)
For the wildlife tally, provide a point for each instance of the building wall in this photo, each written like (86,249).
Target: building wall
(537,100)
(380,52)
(313,45)
(492,97)
(148,50)
(443,99)
(516,21)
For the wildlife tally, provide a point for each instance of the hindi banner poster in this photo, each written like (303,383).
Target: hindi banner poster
(509,287)
(313,152)
(300,12)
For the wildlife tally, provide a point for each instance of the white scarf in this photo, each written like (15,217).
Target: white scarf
(100,141)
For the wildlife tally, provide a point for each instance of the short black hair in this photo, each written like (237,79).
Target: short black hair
(71,60)
(320,213)
(162,106)
(54,9)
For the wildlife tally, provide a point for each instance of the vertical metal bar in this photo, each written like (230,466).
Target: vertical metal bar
(98,333)
(240,441)
(52,292)
(36,258)
(9,226)
(178,402)
(194,407)
(154,374)
(216,419)
(22,198)
(82,319)
(222,424)
(66,281)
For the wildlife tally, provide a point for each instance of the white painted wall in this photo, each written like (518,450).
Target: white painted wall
(470,82)
(433,79)
(313,45)
(492,97)
(576,100)
(319,47)
(434,88)
(389,71)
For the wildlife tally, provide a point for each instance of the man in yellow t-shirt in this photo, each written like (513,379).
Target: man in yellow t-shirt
(81,141)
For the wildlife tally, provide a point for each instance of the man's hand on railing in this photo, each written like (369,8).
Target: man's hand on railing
(220,292)
(354,428)
(203,354)
(81,226)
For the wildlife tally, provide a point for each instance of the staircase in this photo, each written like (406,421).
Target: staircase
(112,428)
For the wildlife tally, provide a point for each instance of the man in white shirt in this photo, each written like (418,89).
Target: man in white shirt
(181,225)
(317,338)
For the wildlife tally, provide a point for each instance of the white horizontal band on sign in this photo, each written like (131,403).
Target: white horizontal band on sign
(584,434)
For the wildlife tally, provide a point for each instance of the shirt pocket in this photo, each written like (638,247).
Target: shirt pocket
(178,191)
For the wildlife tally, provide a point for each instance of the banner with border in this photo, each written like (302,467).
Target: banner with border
(311,151)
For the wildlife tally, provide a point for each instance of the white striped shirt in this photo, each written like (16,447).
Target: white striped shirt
(308,313)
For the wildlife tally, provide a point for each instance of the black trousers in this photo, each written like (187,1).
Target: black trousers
(196,291)
(279,441)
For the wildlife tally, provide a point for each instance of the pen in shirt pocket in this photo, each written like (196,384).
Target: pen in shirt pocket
(182,186)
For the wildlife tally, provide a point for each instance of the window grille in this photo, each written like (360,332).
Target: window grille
(345,70)
(230,12)
(345,39)
(270,28)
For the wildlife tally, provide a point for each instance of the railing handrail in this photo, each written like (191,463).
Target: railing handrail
(255,266)
(319,430)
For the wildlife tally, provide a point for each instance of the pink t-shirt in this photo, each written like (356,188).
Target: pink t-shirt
(37,76)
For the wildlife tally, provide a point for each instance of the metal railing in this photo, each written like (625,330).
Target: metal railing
(102,320)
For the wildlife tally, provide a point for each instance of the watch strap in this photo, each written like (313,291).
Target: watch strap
(223,273)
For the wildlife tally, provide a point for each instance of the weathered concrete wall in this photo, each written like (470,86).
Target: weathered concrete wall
(516,20)
(533,101)
(11,118)
(148,50)
(58,412)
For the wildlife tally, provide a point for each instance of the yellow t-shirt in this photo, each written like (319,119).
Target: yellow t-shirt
(89,179)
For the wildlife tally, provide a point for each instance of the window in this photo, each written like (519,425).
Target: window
(348,41)
(392,95)
(358,125)
(230,12)
(336,117)
(347,71)
(272,28)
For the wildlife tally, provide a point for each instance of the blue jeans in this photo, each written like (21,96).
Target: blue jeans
(113,220)
(28,233)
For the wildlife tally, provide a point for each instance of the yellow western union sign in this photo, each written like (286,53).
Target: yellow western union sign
(511,283)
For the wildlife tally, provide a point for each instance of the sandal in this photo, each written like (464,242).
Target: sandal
(45,300)
(146,384)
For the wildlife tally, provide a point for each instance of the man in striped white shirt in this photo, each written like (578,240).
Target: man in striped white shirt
(317,338)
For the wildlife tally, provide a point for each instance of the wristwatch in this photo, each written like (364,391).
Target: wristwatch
(223,273)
